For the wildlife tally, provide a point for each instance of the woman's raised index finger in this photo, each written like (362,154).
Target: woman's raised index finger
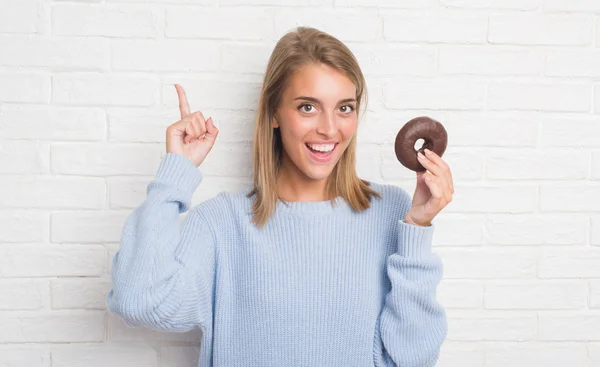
(184,106)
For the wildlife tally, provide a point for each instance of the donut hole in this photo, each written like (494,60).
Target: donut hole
(419,144)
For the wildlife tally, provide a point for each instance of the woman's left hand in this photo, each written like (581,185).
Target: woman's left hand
(433,192)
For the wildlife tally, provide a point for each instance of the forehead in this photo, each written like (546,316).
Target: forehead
(320,81)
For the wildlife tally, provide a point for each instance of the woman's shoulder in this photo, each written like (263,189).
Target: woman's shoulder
(393,197)
(224,204)
(390,192)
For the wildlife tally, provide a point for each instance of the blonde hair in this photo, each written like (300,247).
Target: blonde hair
(298,48)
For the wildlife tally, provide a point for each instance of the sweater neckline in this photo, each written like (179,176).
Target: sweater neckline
(314,207)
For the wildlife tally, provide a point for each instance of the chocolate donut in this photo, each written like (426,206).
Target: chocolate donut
(426,128)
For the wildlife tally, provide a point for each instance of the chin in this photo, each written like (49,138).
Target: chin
(318,172)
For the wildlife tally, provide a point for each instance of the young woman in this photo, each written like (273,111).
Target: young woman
(311,266)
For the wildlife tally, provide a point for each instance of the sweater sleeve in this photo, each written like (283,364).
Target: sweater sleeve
(412,324)
(163,273)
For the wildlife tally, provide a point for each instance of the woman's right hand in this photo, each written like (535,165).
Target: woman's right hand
(192,136)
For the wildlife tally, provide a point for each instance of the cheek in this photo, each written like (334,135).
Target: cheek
(348,128)
(296,128)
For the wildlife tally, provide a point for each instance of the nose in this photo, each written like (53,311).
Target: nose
(327,125)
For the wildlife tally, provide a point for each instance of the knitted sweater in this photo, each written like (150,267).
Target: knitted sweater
(319,285)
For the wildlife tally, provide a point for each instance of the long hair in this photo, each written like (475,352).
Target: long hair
(300,47)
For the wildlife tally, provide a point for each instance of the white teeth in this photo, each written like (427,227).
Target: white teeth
(322,147)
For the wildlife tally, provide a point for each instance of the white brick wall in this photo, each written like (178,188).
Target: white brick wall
(86,92)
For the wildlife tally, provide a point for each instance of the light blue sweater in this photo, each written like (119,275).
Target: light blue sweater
(320,285)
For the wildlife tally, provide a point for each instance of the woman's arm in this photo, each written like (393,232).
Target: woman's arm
(412,325)
(163,273)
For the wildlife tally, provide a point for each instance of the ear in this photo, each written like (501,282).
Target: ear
(275,123)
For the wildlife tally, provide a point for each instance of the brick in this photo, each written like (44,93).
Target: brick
(25,294)
(24,16)
(119,332)
(573,63)
(576,132)
(52,192)
(460,294)
(105,159)
(87,226)
(56,54)
(594,353)
(536,164)
(375,87)
(444,26)
(536,229)
(245,57)
(24,87)
(235,126)
(347,25)
(241,23)
(567,326)
(595,230)
(495,199)
(177,356)
(24,225)
(380,127)
(73,124)
(493,4)
(588,6)
(595,165)
(597,94)
(530,354)
(103,355)
(463,354)
(141,125)
(488,263)
(404,4)
(391,169)
(569,263)
(490,130)
(541,29)
(211,93)
(434,94)
(24,157)
(51,327)
(568,198)
(113,89)
(105,21)
(25,260)
(594,286)
(559,97)
(392,59)
(192,2)
(30,356)
(165,55)
(536,295)
(491,325)
(451,231)
(127,192)
(368,162)
(279,3)
(488,60)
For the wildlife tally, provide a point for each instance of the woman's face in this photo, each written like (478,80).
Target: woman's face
(317,119)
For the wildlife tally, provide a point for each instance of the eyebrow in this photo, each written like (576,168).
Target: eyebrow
(319,102)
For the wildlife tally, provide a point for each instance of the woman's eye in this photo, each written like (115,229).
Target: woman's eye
(347,108)
(306,108)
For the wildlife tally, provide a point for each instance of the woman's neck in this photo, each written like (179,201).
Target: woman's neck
(294,185)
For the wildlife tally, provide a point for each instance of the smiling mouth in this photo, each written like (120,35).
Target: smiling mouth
(319,155)
(321,148)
